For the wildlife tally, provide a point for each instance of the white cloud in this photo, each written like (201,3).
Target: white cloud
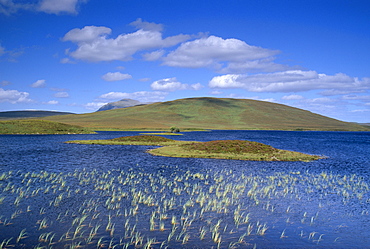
(116,76)
(216,92)
(88,34)
(67,61)
(10,55)
(171,84)
(361,110)
(120,68)
(153,56)
(142,96)
(196,86)
(59,6)
(290,81)
(13,96)
(39,84)
(61,95)
(52,102)
(144,79)
(292,97)
(148,26)
(356,97)
(94,45)
(223,55)
(8,7)
(94,105)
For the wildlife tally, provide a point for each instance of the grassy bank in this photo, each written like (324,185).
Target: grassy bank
(133,140)
(31,126)
(221,149)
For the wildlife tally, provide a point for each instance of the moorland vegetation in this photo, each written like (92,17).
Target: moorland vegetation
(208,113)
(31,126)
(221,149)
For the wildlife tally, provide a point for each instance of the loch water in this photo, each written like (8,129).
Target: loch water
(58,195)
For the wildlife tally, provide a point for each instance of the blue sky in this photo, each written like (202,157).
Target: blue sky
(76,55)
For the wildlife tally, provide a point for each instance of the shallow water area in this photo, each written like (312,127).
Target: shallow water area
(57,195)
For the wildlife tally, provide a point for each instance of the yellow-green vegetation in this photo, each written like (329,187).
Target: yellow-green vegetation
(233,149)
(220,149)
(208,113)
(211,209)
(133,140)
(163,133)
(31,126)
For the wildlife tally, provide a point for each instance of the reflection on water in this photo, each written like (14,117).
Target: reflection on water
(56,195)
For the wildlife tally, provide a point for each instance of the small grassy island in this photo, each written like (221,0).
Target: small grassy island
(33,126)
(220,149)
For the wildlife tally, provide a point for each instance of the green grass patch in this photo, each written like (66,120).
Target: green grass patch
(31,126)
(133,140)
(163,133)
(219,149)
(276,155)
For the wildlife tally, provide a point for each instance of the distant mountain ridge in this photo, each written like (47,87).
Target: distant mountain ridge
(123,103)
(209,113)
(29,114)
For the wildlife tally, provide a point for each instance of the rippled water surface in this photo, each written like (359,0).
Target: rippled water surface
(57,195)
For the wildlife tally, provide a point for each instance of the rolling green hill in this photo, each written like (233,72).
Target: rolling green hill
(31,126)
(208,113)
(29,114)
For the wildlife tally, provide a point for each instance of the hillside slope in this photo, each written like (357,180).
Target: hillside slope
(208,113)
(33,126)
(29,114)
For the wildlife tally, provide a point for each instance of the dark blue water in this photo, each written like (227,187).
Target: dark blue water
(324,203)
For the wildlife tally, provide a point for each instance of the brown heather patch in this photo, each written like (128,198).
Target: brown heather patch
(230,146)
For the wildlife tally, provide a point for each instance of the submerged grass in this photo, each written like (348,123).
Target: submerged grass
(133,208)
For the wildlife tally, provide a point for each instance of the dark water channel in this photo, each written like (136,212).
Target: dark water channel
(57,195)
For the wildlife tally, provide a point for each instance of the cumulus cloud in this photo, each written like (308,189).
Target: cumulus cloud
(87,34)
(117,76)
(61,95)
(290,81)
(39,84)
(94,45)
(59,6)
(171,84)
(142,96)
(222,55)
(13,96)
